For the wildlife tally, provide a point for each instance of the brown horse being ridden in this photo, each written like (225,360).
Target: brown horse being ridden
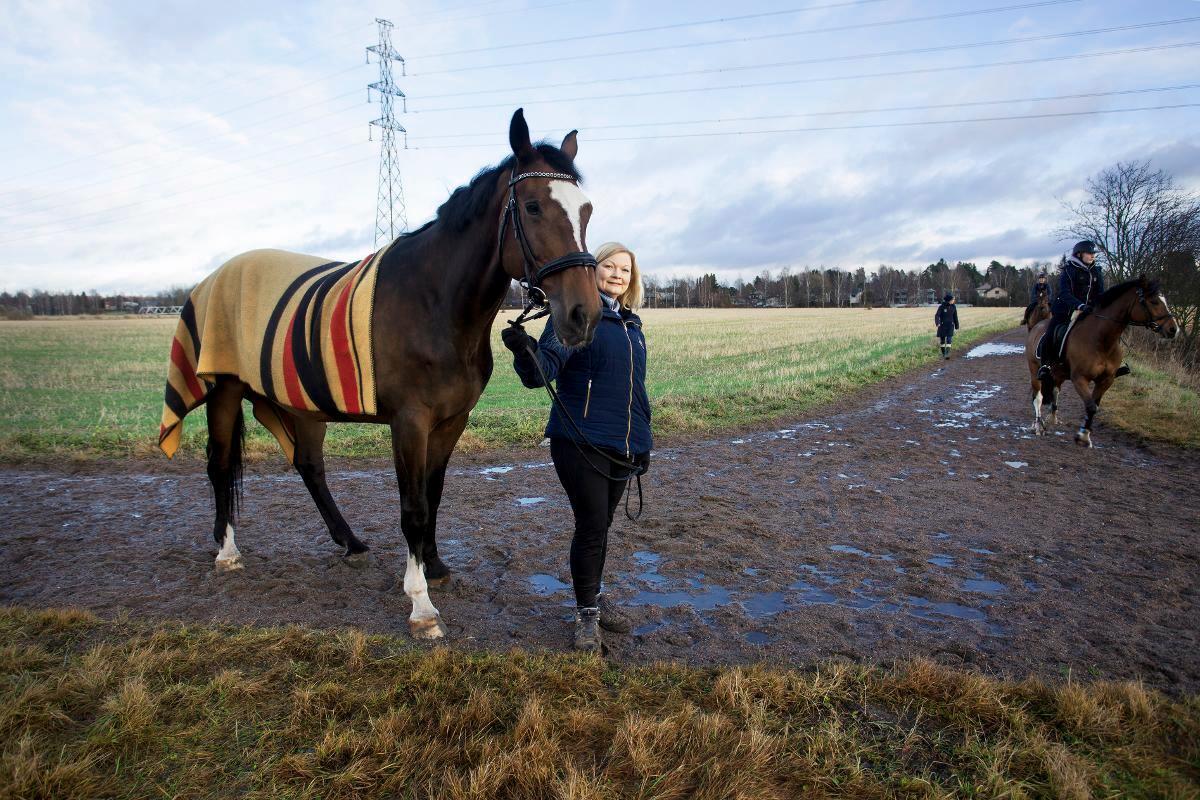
(1093,352)
(426,326)
(1039,309)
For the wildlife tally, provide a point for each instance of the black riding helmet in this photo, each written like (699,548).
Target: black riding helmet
(947,298)
(1086,246)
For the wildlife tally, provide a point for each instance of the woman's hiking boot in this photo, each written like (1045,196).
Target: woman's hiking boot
(612,618)
(587,630)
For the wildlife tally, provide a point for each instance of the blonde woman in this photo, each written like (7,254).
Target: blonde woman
(603,389)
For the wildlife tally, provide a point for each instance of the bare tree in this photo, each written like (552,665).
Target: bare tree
(1137,217)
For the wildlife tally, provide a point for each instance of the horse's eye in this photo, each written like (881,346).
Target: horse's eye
(533,208)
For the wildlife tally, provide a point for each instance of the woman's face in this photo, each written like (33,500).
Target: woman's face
(613,274)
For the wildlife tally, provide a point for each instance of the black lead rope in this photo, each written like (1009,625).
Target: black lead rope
(554,398)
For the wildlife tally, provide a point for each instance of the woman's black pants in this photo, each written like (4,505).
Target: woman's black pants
(594,498)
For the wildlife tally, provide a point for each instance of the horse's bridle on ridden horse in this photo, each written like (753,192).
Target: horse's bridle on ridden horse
(1151,321)
(534,275)
(536,299)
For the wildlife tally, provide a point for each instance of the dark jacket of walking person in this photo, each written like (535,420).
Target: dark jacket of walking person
(1080,284)
(602,388)
(946,320)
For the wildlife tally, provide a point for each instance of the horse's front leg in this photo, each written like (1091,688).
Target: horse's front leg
(410,438)
(442,440)
(1084,436)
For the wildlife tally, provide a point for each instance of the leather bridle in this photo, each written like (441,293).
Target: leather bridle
(534,275)
(1151,321)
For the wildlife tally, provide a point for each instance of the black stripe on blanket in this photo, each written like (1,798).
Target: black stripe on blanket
(268,343)
(306,350)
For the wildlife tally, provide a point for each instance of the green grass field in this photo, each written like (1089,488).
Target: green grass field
(93,387)
(126,709)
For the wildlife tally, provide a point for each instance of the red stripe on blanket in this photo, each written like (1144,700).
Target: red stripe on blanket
(340,339)
(180,360)
(291,381)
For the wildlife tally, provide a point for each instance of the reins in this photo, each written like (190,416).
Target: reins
(535,298)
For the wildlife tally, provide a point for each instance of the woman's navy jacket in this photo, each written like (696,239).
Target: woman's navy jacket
(602,386)
(1078,284)
(946,319)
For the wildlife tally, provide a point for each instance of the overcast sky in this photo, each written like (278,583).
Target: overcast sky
(143,144)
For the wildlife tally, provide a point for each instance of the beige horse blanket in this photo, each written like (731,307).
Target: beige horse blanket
(296,328)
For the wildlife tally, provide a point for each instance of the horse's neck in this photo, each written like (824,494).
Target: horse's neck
(1111,322)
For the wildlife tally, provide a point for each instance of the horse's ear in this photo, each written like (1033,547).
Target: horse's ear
(570,145)
(518,137)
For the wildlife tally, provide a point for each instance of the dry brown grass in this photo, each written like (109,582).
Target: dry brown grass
(124,709)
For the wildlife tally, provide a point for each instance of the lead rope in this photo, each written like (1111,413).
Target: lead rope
(554,399)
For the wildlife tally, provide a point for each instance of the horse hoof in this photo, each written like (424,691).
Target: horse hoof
(432,628)
(230,564)
(357,560)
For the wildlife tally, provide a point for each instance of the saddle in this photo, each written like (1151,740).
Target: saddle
(1057,335)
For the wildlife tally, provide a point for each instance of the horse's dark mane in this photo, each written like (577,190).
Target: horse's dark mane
(468,203)
(1110,296)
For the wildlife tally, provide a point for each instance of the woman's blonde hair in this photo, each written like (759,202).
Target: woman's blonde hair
(631,298)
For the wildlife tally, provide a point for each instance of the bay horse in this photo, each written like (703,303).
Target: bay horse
(1039,309)
(1093,351)
(437,292)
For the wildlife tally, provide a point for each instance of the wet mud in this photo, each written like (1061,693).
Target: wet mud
(918,519)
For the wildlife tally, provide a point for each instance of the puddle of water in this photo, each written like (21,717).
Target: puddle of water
(703,600)
(1017,464)
(764,605)
(845,548)
(941,535)
(812,596)
(648,628)
(646,558)
(546,585)
(751,571)
(984,586)
(925,608)
(983,551)
(995,349)
(530,501)
(755,637)
(941,560)
(827,577)
(490,472)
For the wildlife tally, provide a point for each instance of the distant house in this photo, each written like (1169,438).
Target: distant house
(992,293)
(856,297)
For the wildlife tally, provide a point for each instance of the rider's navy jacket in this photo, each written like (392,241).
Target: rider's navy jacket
(602,386)
(946,319)
(1033,290)
(1078,284)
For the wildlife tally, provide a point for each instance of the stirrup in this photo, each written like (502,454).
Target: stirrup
(1123,370)
(1045,371)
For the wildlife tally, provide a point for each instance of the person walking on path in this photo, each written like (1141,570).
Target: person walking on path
(946,320)
(602,389)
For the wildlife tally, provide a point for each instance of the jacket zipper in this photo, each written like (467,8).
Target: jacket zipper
(588,401)
(629,408)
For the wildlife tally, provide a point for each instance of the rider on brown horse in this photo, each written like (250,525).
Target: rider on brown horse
(1079,284)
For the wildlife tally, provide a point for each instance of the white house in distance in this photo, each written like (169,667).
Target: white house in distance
(989,292)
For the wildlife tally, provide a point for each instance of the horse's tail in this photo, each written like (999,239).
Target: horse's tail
(229,493)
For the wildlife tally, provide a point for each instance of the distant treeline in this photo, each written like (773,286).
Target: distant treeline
(996,284)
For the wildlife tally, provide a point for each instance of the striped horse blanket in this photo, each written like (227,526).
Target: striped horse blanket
(295,328)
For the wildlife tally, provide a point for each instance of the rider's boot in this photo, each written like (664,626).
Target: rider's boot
(1122,370)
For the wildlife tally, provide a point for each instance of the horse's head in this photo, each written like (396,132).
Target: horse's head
(549,213)
(1152,310)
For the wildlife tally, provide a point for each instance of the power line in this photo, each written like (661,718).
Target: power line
(184,126)
(190,146)
(653,28)
(744,39)
(848,112)
(823,79)
(829,59)
(863,126)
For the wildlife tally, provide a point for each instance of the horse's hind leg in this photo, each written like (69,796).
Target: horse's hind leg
(226,428)
(1035,396)
(309,461)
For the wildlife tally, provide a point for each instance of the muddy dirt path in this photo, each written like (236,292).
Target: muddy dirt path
(919,519)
